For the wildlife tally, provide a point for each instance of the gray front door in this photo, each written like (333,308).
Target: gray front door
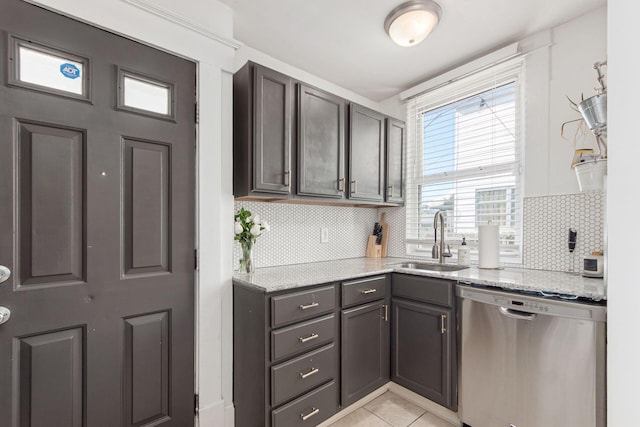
(97,176)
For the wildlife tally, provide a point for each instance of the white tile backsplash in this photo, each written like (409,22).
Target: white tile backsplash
(295,231)
(546,228)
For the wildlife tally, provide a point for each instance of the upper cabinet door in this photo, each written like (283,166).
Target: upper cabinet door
(272,131)
(321,151)
(366,155)
(395,163)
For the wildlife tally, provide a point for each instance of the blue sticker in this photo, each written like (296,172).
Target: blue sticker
(70,71)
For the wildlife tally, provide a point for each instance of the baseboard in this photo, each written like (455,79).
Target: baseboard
(424,403)
(355,406)
(214,415)
(229,415)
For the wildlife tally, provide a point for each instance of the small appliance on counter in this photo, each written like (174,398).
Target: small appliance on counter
(593,265)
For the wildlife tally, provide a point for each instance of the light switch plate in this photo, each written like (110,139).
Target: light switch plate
(324,235)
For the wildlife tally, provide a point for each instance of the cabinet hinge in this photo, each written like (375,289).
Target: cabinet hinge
(197,113)
(196,404)
(195,260)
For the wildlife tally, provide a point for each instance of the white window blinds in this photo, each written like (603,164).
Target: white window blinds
(463,159)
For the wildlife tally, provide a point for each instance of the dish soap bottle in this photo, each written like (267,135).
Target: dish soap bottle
(463,253)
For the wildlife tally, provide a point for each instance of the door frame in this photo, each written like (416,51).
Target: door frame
(211,47)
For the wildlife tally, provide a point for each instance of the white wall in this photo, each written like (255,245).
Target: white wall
(623,367)
(559,63)
(202,34)
(246,53)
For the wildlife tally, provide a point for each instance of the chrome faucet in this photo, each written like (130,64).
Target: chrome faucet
(439,252)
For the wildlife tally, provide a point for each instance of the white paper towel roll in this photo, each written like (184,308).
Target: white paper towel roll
(489,246)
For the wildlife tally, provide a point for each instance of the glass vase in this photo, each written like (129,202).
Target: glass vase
(246,258)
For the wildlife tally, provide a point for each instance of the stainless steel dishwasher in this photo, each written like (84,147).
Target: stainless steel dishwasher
(528,361)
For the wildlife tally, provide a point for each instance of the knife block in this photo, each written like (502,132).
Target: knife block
(373,250)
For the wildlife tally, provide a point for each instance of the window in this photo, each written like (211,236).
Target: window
(464,160)
(39,67)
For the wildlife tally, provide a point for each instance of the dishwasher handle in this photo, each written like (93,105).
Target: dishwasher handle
(517,314)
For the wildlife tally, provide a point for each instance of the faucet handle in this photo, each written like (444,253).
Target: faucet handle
(447,253)
(435,252)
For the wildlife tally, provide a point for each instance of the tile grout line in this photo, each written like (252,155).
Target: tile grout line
(377,416)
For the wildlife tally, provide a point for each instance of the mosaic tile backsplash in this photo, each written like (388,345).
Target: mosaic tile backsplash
(295,231)
(546,227)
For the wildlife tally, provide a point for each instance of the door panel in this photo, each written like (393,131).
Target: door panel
(146,207)
(51,204)
(146,369)
(97,213)
(49,373)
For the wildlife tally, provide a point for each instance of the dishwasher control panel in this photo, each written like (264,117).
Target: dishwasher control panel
(518,304)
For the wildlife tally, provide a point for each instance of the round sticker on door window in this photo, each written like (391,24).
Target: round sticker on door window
(70,71)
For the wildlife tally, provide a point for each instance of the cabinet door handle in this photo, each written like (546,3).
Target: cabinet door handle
(287,178)
(313,336)
(391,190)
(313,371)
(313,412)
(367,291)
(307,306)
(386,312)
(443,324)
(341,185)
(355,186)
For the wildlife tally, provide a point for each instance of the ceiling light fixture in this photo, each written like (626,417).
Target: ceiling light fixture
(412,21)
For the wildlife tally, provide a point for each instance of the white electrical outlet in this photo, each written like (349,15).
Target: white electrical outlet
(324,235)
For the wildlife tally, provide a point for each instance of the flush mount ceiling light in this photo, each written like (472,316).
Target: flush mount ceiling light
(411,22)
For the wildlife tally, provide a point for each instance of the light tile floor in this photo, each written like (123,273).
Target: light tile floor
(390,410)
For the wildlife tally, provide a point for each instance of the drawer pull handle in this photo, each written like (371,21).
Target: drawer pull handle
(367,291)
(443,322)
(314,411)
(313,371)
(304,307)
(341,185)
(313,336)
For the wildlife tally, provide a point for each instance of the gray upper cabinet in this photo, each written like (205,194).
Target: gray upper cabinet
(321,143)
(366,154)
(263,128)
(395,161)
(294,141)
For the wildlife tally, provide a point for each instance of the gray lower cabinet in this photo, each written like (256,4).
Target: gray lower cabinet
(365,337)
(263,127)
(285,356)
(366,154)
(424,337)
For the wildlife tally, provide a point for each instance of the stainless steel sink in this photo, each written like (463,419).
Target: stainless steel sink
(430,267)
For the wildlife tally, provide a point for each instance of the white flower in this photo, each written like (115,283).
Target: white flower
(266,226)
(256,219)
(255,230)
(237,228)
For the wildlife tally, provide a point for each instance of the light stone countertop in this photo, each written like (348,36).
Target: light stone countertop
(273,279)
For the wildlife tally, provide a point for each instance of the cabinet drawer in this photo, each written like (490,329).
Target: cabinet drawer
(422,288)
(302,305)
(309,410)
(294,377)
(301,337)
(363,290)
